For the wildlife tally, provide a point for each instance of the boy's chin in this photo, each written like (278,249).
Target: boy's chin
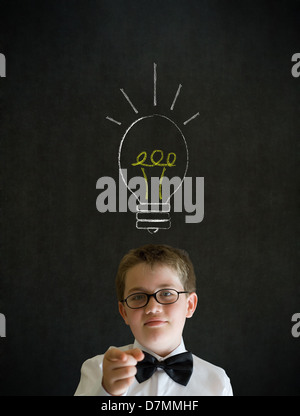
(160,341)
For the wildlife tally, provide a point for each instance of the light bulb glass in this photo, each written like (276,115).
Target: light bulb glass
(154,148)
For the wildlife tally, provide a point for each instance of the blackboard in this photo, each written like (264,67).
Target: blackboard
(76,73)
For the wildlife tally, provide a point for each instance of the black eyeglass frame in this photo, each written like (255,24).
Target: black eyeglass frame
(154,295)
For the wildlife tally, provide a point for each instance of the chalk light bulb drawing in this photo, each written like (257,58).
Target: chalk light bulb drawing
(154,147)
(156,137)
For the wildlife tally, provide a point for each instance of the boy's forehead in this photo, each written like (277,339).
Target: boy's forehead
(145,277)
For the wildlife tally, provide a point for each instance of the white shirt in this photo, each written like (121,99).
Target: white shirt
(206,380)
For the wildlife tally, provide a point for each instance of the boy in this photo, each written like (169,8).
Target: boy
(156,288)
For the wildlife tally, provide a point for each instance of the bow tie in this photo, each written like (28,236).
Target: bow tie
(179,367)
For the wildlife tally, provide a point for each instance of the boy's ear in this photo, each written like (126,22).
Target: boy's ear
(191,304)
(123,313)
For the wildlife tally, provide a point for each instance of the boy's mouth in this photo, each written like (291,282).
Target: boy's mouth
(155,322)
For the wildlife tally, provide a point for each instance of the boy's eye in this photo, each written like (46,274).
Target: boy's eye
(137,298)
(166,294)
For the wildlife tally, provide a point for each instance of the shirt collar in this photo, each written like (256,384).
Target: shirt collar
(180,349)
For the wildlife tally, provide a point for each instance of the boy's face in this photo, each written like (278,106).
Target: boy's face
(155,326)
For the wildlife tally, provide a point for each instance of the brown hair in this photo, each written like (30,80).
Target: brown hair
(152,254)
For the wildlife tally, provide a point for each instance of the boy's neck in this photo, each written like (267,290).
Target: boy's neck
(159,355)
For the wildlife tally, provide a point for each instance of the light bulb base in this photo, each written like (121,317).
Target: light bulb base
(153,217)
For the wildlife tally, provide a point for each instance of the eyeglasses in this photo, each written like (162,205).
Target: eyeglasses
(163,296)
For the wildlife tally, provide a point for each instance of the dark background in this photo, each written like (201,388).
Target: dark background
(66,63)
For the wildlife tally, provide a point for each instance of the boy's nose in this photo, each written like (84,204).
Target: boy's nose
(153,306)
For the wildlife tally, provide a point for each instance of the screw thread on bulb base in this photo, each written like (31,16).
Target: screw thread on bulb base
(153,217)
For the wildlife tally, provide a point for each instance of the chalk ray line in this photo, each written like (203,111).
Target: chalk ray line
(176,96)
(113,120)
(192,118)
(129,101)
(155,85)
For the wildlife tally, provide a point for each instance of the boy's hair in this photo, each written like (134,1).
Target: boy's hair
(152,254)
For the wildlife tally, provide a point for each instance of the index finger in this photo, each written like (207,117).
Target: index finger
(115,354)
(136,353)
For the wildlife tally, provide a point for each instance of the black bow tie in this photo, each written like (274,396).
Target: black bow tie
(179,367)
